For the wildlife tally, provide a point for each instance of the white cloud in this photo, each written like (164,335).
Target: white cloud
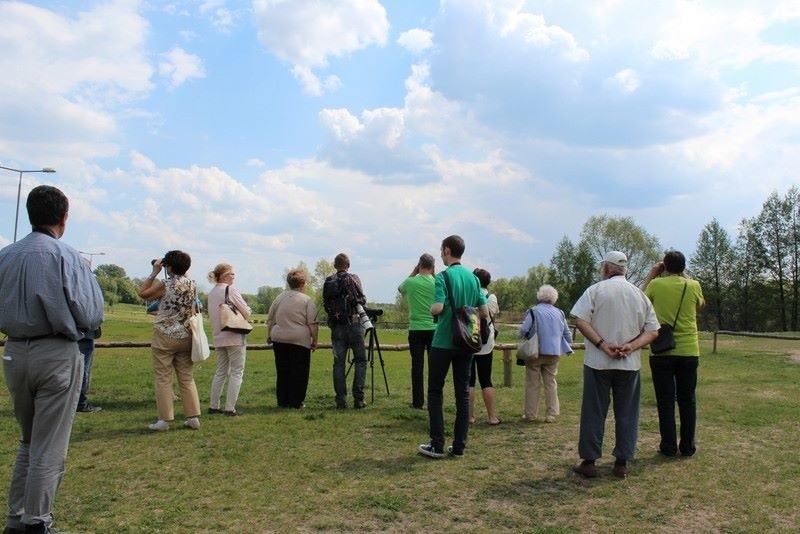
(306,33)
(177,66)
(626,80)
(416,40)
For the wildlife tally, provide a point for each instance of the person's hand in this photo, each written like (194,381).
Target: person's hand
(313,344)
(657,269)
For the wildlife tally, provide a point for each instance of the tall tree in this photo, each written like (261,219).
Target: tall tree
(713,265)
(602,233)
(771,228)
(572,270)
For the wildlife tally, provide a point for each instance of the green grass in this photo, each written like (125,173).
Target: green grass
(323,470)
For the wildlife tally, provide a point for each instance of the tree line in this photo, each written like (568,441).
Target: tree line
(751,282)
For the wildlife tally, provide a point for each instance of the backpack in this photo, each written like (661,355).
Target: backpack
(340,295)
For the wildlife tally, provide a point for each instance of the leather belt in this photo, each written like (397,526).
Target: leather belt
(34,338)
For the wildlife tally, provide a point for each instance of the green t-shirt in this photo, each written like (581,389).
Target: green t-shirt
(466,292)
(665,294)
(418,291)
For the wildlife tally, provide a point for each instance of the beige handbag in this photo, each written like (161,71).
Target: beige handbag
(230,319)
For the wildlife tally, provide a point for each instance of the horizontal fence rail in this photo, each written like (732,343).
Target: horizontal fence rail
(748,334)
(509,351)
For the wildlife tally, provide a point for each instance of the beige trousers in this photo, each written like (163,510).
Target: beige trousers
(169,354)
(544,368)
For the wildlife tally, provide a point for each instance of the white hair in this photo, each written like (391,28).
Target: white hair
(547,293)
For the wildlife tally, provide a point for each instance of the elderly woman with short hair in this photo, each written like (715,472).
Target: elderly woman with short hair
(555,339)
(293,329)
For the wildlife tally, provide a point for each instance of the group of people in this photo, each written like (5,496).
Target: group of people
(51,303)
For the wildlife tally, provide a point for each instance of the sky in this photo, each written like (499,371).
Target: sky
(267,133)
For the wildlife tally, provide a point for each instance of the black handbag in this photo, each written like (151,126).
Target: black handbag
(666,334)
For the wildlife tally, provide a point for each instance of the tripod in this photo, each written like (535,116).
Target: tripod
(373,347)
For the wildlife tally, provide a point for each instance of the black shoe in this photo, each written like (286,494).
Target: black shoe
(215,410)
(88,408)
(9,530)
(620,469)
(416,406)
(232,413)
(359,404)
(586,468)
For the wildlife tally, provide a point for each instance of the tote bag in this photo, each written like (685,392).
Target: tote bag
(528,347)
(230,319)
(200,350)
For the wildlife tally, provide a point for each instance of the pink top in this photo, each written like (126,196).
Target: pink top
(216,297)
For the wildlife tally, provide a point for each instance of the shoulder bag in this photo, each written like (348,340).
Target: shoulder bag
(528,346)
(200,349)
(466,322)
(666,333)
(230,319)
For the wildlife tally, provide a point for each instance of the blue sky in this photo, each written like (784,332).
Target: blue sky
(270,132)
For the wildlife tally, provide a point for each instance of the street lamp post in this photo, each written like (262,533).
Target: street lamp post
(19,190)
(92,255)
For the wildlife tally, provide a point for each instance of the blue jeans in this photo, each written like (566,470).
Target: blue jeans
(86,346)
(597,388)
(343,337)
(419,341)
(675,379)
(439,361)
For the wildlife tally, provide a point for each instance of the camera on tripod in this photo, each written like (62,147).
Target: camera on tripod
(368,316)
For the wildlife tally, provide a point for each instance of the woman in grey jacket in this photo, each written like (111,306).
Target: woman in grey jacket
(555,339)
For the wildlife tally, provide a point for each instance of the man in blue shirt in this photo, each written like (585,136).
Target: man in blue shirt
(466,291)
(49,299)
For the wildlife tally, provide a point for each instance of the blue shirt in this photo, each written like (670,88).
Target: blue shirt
(47,288)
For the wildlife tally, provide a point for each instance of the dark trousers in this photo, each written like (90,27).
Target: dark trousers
(598,387)
(419,342)
(675,379)
(439,362)
(292,364)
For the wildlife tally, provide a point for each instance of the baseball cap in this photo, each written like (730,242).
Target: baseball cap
(616,257)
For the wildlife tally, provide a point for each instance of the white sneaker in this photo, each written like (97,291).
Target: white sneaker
(550,419)
(192,422)
(159,425)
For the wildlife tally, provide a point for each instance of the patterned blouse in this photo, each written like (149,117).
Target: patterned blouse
(176,307)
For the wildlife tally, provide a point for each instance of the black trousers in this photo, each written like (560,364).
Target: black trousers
(419,342)
(292,365)
(675,379)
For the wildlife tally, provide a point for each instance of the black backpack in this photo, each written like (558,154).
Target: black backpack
(339,297)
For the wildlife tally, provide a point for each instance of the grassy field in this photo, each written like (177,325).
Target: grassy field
(324,470)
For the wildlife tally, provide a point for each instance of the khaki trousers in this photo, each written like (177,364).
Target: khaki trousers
(169,354)
(544,369)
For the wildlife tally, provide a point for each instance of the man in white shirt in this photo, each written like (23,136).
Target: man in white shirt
(616,320)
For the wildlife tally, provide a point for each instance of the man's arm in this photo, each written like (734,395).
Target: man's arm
(436,308)
(591,336)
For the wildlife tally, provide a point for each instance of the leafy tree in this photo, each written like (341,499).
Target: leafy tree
(748,279)
(110,271)
(116,285)
(771,229)
(713,265)
(602,234)
(572,270)
(264,298)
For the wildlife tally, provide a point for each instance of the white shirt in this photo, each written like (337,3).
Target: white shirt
(618,311)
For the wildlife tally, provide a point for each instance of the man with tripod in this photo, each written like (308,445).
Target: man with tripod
(342,293)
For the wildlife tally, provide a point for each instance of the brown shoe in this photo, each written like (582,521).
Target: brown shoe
(586,468)
(620,469)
